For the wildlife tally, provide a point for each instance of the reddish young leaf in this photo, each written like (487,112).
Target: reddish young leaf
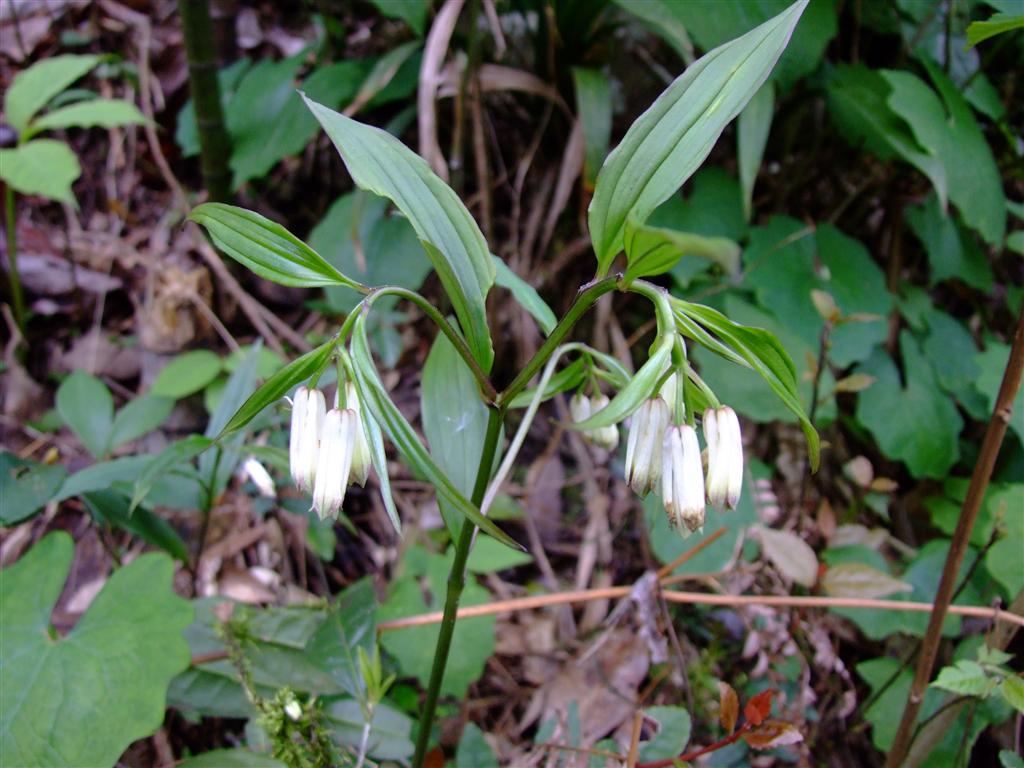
(759,707)
(728,707)
(773,733)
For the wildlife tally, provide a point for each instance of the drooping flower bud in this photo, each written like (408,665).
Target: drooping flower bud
(725,457)
(581,408)
(308,409)
(682,479)
(361,452)
(602,437)
(643,449)
(334,461)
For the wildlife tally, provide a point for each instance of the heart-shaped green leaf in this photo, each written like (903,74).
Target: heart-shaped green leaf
(83,698)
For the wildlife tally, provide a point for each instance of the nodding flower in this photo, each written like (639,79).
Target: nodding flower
(361,452)
(725,457)
(334,461)
(682,479)
(582,407)
(643,449)
(308,409)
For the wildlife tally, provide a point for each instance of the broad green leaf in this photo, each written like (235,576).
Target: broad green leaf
(27,486)
(265,247)
(351,624)
(274,388)
(526,295)
(104,113)
(488,556)
(966,678)
(375,398)
(176,453)
(594,111)
(473,750)
(1013,691)
(639,388)
(187,374)
(359,237)
(454,420)
(390,736)
(660,17)
(992,363)
(380,76)
(41,167)
(380,163)
(752,128)
(81,699)
(102,475)
(420,588)
(912,419)
(655,250)
(951,254)
(672,138)
(87,407)
(857,100)
(762,351)
(412,12)
(711,23)
(266,118)
(671,737)
(111,508)
(568,378)
(186,134)
(948,130)
(139,417)
(996,24)
(33,88)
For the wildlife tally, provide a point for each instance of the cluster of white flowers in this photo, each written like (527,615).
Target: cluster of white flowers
(581,408)
(327,449)
(659,451)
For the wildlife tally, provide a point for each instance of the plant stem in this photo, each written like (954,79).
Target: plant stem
(214,143)
(586,297)
(17,298)
(456,581)
(993,439)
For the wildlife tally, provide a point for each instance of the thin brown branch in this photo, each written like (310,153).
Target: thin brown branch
(990,445)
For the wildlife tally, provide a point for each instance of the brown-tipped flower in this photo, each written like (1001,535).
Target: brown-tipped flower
(308,411)
(725,457)
(643,448)
(682,479)
(334,461)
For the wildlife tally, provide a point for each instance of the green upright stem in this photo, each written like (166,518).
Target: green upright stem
(456,581)
(214,143)
(17,299)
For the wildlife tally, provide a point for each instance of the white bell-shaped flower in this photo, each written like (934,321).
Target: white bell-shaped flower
(643,448)
(682,479)
(361,452)
(334,461)
(725,457)
(308,409)
(581,408)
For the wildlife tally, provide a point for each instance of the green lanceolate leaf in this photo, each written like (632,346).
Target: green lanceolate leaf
(996,24)
(41,167)
(568,378)
(526,295)
(381,164)
(752,131)
(655,250)
(762,352)
(82,698)
(672,138)
(267,248)
(173,455)
(33,88)
(594,110)
(274,388)
(87,407)
(104,113)
(380,466)
(639,388)
(375,398)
